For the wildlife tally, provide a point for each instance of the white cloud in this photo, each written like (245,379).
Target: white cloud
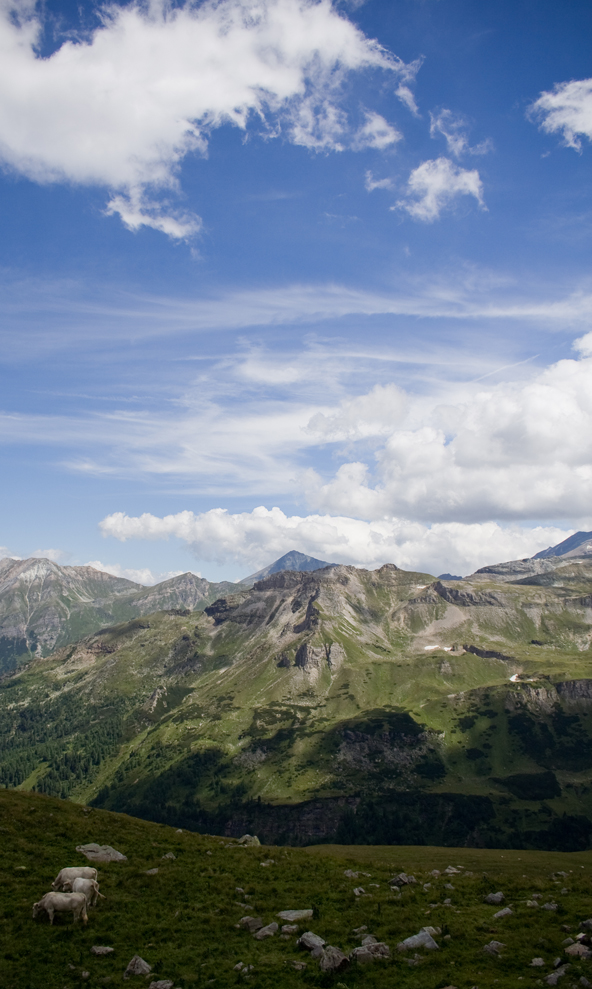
(141,576)
(374,414)
(122,107)
(433,186)
(252,539)
(370,183)
(55,555)
(453,127)
(375,133)
(567,110)
(517,450)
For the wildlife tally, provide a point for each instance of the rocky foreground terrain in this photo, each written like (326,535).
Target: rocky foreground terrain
(186,910)
(337,704)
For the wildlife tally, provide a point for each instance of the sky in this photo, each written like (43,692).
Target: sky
(294,274)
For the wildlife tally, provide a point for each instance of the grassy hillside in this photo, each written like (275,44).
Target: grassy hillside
(463,709)
(182,920)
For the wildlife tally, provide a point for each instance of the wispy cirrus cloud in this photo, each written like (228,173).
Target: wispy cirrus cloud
(453,127)
(122,107)
(433,187)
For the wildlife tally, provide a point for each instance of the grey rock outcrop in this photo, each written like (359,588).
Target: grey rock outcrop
(101,853)
(137,966)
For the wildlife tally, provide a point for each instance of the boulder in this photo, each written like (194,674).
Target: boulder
(137,966)
(586,925)
(421,940)
(493,948)
(248,839)
(251,924)
(362,956)
(495,899)
(309,941)
(268,931)
(333,959)
(506,912)
(554,977)
(101,949)
(101,853)
(579,950)
(295,915)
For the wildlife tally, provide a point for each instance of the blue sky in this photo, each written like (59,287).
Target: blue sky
(287,274)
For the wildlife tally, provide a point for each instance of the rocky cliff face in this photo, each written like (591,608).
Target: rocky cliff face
(324,686)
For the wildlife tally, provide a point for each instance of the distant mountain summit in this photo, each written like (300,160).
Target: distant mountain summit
(580,544)
(290,561)
(44,606)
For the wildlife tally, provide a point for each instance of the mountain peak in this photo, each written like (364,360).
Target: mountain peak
(293,560)
(580,544)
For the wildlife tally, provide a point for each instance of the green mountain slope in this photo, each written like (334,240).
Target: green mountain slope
(184,918)
(461,710)
(44,606)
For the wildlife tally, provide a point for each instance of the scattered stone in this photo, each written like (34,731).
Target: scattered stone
(448,902)
(169,855)
(402,880)
(360,930)
(531,903)
(495,899)
(162,984)
(579,951)
(290,929)
(238,966)
(554,977)
(549,906)
(375,885)
(309,941)
(137,966)
(370,951)
(584,982)
(294,915)
(238,889)
(333,959)
(568,940)
(450,886)
(101,853)
(350,874)
(268,931)
(586,925)
(435,873)
(434,931)
(493,948)
(151,872)
(421,940)
(427,886)
(537,963)
(248,839)
(416,960)
(506,912)
(299,966)
(101,949)
(179,831)
(86,975)
(451,871)
(267,863)
(251,924)
(362,956)
(359,891)
(564,892)
(369,939)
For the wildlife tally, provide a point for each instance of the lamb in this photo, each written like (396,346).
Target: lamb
(76,872)
(57,902)
(89,887)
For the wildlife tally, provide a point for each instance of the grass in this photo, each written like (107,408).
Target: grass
(183,920)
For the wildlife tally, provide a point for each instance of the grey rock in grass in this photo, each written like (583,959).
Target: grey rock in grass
(362,956)
(251,924)
(376,950)
(579,951)
(359,891)
(421,940)
(495,899)
(101,949)
(309,941)
(101,853)
(360,930)
(151,872)
(289,928)
(267,931)
(537,963)
(549,906)
(531,903)
(568,941)
(162,984)
(369,939)
(554,977)
(402,880)
(506,912)
(137,966)
(435,873)
(586,925)
(169,855)
(295,915)
(332,959)
(248,839)
(493,948)
(350,874)
(299,966)
(584,982)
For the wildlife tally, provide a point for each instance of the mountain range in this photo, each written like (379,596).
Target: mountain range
(337,704)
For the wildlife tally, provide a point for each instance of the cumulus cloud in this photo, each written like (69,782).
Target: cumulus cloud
(453,128)
(434,185)
(374,414)
(123,106)
(252,539)
(370,183)
(518,450)
(376,132)
(139,576)
(566,110)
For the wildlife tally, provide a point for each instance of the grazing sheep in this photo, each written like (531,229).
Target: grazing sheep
(57,902)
